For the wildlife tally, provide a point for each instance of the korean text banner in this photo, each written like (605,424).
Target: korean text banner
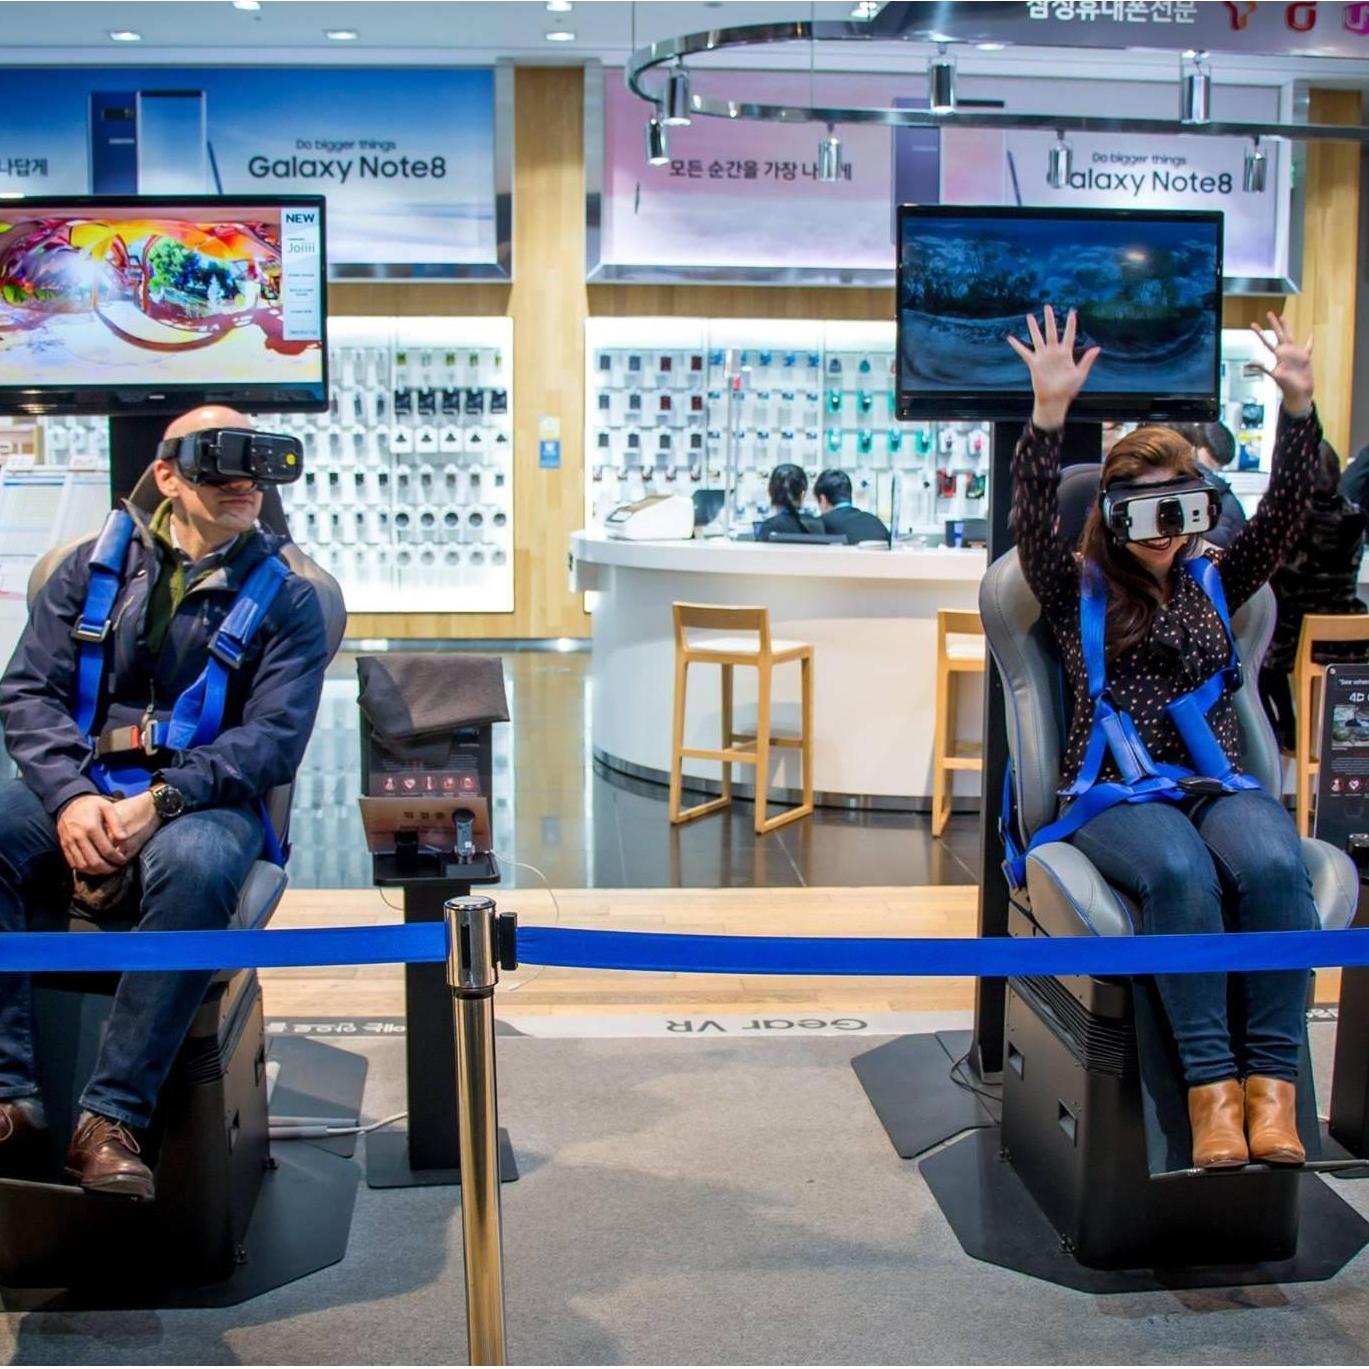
(405,156)
(740,200)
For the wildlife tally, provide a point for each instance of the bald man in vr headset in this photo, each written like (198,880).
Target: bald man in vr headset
(144,759)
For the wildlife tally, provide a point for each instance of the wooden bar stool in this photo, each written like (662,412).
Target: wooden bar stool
(747,643)
(959,651)
(1317,630)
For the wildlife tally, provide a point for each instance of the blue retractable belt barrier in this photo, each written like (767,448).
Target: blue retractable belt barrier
(419,943)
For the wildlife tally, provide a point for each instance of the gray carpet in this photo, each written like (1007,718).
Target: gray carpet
(702,1202)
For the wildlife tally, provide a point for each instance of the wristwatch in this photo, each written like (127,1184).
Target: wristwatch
(167,800)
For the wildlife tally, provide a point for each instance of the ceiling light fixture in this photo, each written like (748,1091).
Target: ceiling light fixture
(341,35)
(1256,169)
(126,35)
(829,157)
(941,83)
(560,36)
(248,5)
(866,9)
(1195,89)
(991,47)
(1061,162)
(559,6)
(657,142)
(677,105)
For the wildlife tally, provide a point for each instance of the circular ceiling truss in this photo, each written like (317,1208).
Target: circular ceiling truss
(645,61)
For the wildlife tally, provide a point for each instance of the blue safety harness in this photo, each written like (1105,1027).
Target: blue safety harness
(1143,780)
(197,717)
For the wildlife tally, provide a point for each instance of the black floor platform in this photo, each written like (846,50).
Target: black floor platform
(911,1083)
(301,1224)
(995,1220)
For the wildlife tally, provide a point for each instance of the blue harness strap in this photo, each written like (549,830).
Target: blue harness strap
(1143,780)
(106,575)
(197,716)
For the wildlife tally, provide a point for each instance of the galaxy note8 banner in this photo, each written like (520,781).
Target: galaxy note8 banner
(1146,288)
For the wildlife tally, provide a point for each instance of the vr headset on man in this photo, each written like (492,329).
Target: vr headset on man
(1136,512)
(220,456)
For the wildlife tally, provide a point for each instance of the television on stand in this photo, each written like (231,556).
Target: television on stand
(1146,285)
(140,307)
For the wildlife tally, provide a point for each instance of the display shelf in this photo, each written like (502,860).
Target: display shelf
(675,405)
(407,495)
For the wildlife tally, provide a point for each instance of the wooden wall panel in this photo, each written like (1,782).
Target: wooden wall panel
(547,304)
(1326,306)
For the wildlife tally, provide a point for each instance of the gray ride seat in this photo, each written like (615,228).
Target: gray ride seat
(1093,1101)
(212,1145)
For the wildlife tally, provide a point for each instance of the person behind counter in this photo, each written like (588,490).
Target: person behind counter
(1180,852)
(1215,449)
(839,516)
(788,485)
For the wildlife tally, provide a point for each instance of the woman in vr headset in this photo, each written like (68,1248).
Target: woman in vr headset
(1186,842)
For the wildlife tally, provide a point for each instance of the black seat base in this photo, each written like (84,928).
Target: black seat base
(996,1220)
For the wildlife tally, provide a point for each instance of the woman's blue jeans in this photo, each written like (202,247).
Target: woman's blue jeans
(192,870)
(1185,864)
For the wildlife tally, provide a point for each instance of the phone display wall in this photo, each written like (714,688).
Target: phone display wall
(675,405)
(407,495)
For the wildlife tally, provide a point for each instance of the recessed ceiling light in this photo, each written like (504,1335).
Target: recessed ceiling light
(126,35)
(991,47)
(246,4)
(559,6)
(866,9)
(341,35)
(560,36)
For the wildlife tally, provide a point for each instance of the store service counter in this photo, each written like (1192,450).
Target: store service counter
(869,613)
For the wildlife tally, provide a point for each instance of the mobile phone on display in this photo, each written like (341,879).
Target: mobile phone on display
(113,142)
(172,143)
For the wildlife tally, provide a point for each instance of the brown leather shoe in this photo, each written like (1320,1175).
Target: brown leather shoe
(23,1139)
(1271,1119)
(104,1158)
(1216,1114)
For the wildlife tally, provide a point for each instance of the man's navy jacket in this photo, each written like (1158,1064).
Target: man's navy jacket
(272,696)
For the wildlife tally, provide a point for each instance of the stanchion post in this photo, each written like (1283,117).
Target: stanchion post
(472,973)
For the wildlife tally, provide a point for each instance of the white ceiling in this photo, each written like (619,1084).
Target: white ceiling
(480,31)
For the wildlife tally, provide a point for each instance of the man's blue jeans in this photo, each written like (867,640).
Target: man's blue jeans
(1183,864)
(192,870)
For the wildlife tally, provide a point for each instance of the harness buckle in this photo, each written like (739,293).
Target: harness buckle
(94,635)
(226,651)
(1203,786)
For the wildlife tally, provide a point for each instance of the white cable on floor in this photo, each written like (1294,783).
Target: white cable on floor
(314,1129)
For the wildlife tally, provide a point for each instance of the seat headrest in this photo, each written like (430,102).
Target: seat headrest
(1078,494)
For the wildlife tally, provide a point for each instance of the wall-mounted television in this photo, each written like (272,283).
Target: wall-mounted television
(1147,286)
(153,304)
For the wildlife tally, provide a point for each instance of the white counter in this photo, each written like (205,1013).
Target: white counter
(870,615)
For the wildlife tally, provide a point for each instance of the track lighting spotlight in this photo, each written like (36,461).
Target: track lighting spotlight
(1195,89)
(1256,168)
(829,157)
(941,83)
(677,107)
(1061,162)
(657,143)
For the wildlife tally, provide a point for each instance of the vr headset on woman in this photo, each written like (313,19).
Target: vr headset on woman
(219,456)
(1136,512)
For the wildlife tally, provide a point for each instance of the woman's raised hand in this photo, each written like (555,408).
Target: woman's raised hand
(1056,374)
(1292,368)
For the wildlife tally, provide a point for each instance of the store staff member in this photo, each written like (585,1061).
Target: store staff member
(187,842)
(840,516)
(788,485)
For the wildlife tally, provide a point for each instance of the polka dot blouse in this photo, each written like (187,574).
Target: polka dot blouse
(1186,643)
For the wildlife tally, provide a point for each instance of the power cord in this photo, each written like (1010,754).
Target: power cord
(963,1081)
(318,1128)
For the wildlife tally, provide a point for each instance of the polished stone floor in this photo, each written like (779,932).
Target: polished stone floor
(585,827)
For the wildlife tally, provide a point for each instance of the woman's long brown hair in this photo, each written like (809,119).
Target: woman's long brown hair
(1133,593)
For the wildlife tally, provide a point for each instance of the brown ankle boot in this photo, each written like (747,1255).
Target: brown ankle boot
(1216,1114)
(1271,1119)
